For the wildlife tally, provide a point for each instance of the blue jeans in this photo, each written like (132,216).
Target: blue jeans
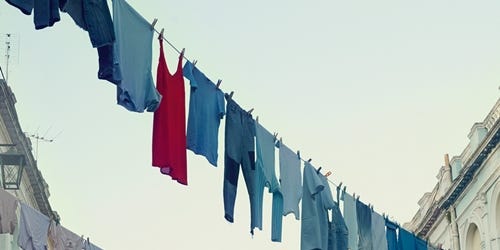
(364,226)
(46,13)
(337,232)
(239,150)
(94,17)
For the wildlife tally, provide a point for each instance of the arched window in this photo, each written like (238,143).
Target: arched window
(473,240)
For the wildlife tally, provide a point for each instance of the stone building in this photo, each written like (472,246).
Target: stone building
(19,174)
(462,212)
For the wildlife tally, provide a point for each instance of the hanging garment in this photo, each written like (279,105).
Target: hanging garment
(310,232)
(206,109)
(94,16)
(420,244)
(169,123)
(325,203)
(290,180)
(63,239)
(406,240)
(33,230)
(25,6)
(239,150)
(364,215)
(266,177)
(8,218)
(338,232)
(87,245)
(351,220)
(46,12)
(379,239)
(391,235)
(133,52)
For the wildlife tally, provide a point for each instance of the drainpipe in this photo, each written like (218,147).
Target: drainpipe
(454,229)
(455,239)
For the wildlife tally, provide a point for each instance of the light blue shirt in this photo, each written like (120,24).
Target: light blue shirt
(310,231)
(206,109)
(133,52)
(266,176)
(351,220)
(290,180)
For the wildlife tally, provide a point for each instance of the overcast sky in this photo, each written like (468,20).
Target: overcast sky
(374,91)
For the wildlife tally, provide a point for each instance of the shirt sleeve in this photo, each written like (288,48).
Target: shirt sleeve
(221,107)
(314,184)
(187,71)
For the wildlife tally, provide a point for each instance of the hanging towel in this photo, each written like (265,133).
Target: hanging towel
(406,240)
(351,221)
(421,244)
(206,109)
(378,232)
(63,239)
(391,235)
(290,180)
(169,123)
(34,228)
(266,177)
(310,232)
(133,52)
(8,218)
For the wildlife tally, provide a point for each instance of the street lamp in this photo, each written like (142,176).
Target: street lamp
(12,165)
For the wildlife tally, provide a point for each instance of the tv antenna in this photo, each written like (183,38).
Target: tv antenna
(7,56)
(42,138)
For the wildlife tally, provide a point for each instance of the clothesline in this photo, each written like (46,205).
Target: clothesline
(162,36)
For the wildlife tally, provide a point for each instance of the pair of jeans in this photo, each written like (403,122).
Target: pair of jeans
(364,214)
(46,12)
(239,150)
(337,231)
(94,17)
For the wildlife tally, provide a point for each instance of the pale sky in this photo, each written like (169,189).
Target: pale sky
(374,91)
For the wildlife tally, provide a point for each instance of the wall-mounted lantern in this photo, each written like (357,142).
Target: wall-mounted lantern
(12,166)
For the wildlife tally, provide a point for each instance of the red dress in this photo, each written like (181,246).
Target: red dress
(169,124)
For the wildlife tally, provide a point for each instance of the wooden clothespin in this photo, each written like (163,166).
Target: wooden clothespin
(161,34)
(275,136)
(309,160)
(182,51)
(154,23)
(328,174)
(231,94)
(218,83)
(250,111)
(257,119)
(319,169)
(194,62)
(298,154)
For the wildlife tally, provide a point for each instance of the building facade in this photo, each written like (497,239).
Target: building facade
(31,189)
(462,212)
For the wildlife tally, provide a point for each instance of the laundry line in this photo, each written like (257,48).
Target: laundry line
(337,186)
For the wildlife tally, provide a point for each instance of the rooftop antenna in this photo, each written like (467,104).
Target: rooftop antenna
(7,56)
(42,138)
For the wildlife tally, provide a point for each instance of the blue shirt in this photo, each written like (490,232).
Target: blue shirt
(310,231)
(133,52)
(206,109)
(326,202)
